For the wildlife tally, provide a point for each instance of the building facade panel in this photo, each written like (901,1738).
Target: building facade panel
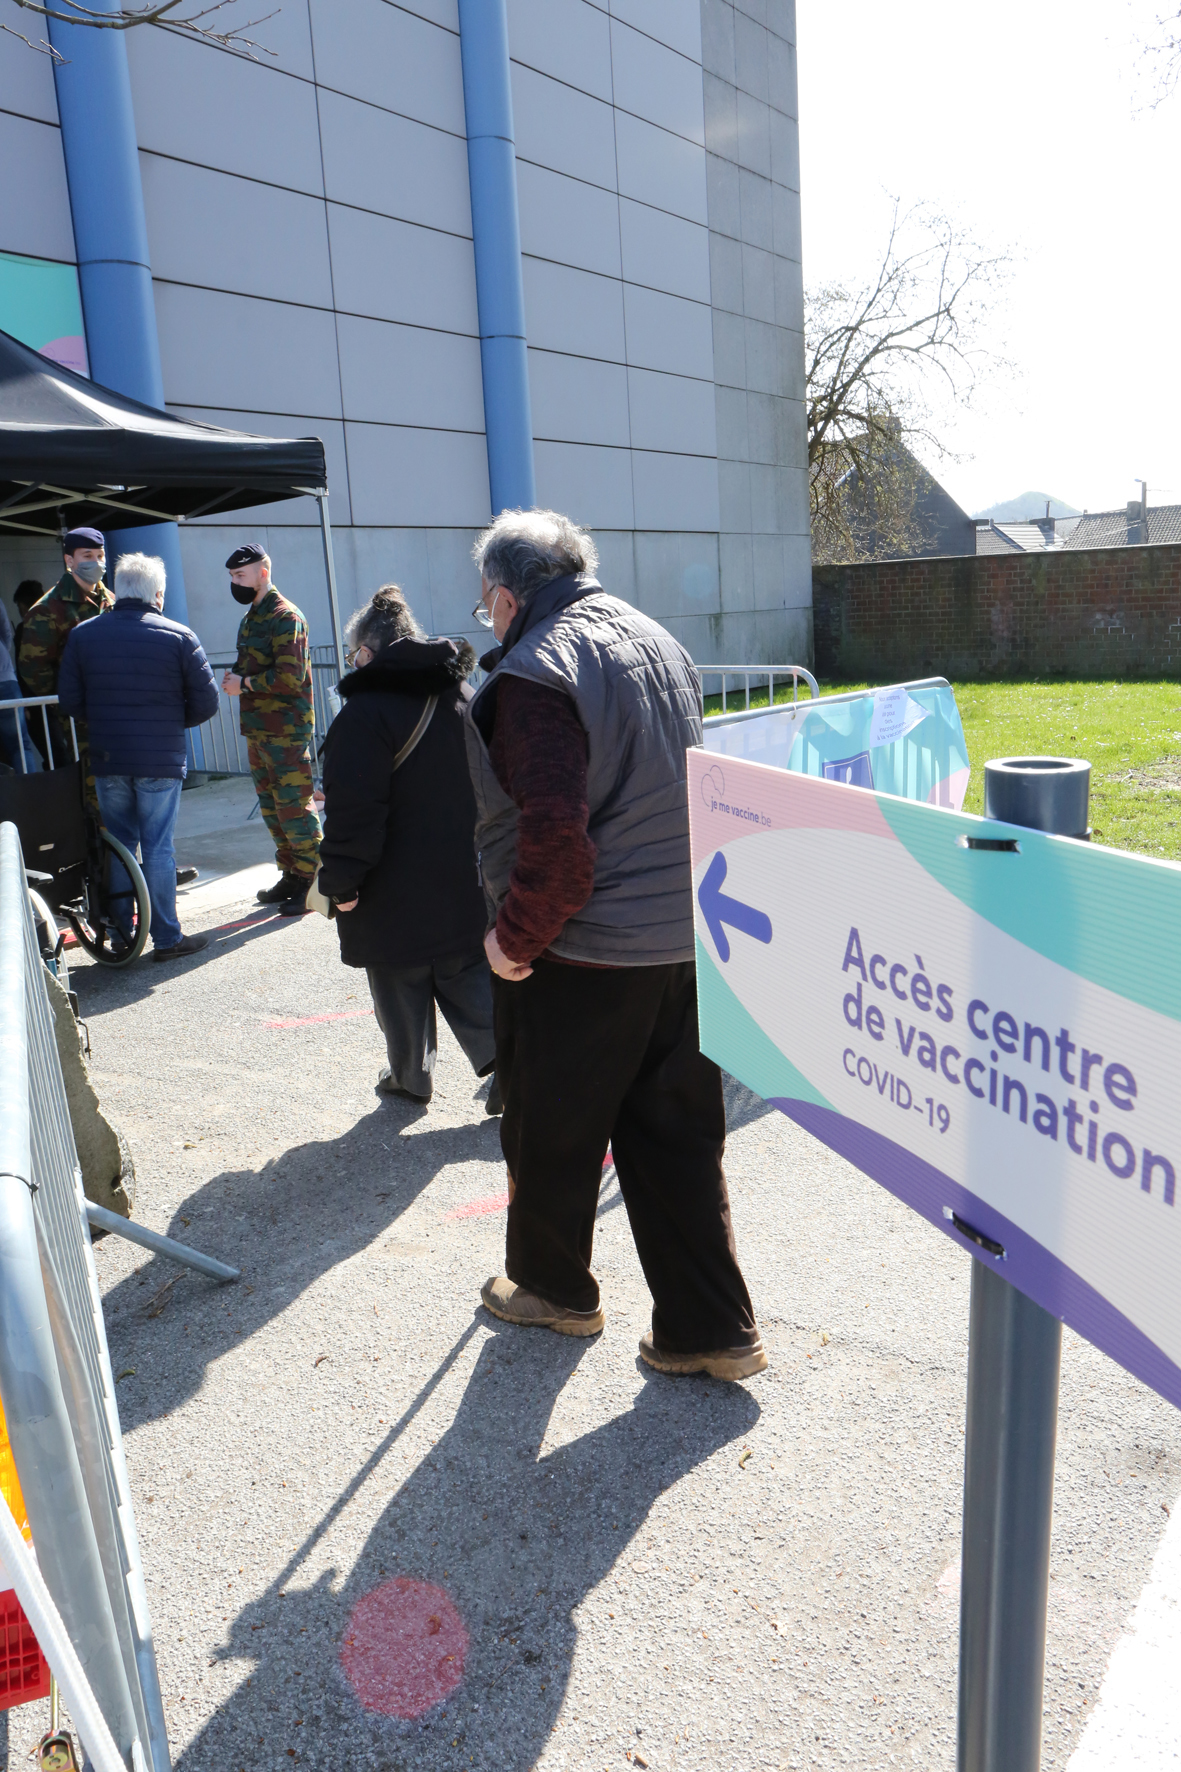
(223,231)
(315,274)
(34,207)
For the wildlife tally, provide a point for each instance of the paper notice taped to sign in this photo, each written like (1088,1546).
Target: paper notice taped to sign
(895,713)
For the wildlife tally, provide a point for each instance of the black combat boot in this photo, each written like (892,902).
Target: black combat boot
(285,887)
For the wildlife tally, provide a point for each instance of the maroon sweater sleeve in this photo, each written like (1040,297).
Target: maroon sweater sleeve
(539,753)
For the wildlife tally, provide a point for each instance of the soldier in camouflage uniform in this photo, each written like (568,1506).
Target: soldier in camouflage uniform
(78,595)
(273,677)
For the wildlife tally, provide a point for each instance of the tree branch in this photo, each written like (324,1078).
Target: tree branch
(160,13)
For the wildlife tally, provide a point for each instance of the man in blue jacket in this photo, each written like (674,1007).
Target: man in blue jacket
(138,680)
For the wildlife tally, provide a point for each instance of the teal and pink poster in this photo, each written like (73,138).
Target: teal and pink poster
(41,306)
(992,1034)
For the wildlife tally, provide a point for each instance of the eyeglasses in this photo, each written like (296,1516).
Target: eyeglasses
(482,612)
(350,656)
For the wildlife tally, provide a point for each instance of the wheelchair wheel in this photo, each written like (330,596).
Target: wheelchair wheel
(96,931)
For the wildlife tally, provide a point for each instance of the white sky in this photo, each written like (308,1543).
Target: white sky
(1031,123)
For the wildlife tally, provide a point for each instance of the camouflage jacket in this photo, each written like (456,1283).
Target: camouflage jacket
(48,626)
(273,653)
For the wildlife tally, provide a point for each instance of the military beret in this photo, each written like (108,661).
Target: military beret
(82,538)
(247,555)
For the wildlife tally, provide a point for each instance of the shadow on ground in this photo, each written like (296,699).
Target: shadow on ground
(517,1540)
(285,1225)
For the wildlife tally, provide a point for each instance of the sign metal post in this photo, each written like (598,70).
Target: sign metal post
(1014,1352)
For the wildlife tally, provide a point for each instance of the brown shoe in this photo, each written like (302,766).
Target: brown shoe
(513,1304)
(725,1362)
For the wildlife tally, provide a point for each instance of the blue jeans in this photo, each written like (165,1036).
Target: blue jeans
(142,809)
(14,731)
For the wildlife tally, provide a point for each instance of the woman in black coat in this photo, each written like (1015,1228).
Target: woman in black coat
(397,856)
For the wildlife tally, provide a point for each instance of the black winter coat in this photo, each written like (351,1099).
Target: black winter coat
(404,839)
(138,680)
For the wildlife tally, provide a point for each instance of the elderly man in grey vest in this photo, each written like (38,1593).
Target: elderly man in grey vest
(577,744)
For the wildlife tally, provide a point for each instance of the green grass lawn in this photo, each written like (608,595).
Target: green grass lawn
(1130,733)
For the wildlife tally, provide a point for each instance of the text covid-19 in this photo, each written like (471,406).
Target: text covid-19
(1004,1036)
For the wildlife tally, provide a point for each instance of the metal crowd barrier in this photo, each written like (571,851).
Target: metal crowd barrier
(56,1383)
(754,677)
(219,747)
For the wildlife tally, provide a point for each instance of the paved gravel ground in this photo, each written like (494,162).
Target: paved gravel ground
(691,1574)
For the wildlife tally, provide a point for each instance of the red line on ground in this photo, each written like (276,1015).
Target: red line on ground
(303,1021)
(478,1208)
(404,1648)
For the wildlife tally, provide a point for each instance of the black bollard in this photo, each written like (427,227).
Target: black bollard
(1014,1353)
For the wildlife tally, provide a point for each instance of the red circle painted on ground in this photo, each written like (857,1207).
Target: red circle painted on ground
(404,1648)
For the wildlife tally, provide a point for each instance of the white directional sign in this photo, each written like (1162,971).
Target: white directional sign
(993,1033)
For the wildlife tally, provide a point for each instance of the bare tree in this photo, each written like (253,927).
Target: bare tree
(164,14)
(1162,54)
(881,362)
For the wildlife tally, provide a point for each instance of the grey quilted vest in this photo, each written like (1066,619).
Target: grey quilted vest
(639,700)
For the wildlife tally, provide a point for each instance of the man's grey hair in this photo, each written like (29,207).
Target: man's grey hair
(523,550)
(385,619)
(139,578)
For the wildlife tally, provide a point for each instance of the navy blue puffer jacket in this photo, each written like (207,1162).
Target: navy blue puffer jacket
(138,680)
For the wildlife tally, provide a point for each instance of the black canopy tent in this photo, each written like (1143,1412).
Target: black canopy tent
(73,452)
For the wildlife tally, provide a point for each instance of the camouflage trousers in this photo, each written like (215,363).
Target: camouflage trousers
(282,773)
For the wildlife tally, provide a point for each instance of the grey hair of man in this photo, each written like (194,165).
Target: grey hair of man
(524,550)
(385,619)
(140,578)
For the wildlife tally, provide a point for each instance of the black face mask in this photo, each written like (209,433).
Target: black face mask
(242,593)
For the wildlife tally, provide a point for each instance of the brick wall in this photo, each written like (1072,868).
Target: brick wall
(1107,612)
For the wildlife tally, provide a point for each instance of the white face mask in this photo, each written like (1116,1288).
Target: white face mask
(89,571)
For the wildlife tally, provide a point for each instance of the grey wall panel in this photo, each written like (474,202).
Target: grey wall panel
(565,130)
(396,167)
(617,562)
(233,233)
(578,400)
(670,412)
(366,559)
(592,485)
(676,574)
(423,479)
(455,585)
(725,271)
(675,491)
(729,349)
(664,251)
(721,116)
(751,57)
(407,375)
(199,104)
(393,270)
(284,39)
(26,81)
(781,76)
(664,332)
(669,21)
(758,284)
(757,207)
(732,426)
(34,207)
(717,38)
(393,58)
(656,83)
(789,295)
(236,351)
(785,150)
(564,219)
(723,194)
(300,511)
(565,38)
(781,18)
(661,169)
(754,134)
(440,12)
(575,311)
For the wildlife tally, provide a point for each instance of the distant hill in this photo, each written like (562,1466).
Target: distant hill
(1027,504)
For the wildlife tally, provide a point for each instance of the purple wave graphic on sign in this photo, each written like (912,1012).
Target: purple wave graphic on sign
(1028,1266)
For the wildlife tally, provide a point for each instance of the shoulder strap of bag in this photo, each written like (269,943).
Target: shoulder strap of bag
(418,734)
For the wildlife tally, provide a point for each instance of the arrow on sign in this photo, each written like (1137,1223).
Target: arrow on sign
(717,908)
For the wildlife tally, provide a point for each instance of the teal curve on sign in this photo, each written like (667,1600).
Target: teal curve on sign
(732,1037)
(1110,917)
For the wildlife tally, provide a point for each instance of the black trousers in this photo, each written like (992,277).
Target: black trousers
(588,1057)
(404,999)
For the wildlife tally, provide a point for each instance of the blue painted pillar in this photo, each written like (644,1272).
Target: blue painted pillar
(496,228)
(111,241)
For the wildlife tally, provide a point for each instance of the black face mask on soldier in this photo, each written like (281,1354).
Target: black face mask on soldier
(243,593)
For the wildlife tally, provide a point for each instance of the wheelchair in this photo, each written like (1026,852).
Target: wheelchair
(68,853)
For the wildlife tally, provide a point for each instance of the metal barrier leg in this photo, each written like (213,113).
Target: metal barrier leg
(180,1252)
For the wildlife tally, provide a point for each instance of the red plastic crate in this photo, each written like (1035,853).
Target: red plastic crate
(24,1671)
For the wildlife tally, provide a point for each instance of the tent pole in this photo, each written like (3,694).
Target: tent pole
(330,573)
